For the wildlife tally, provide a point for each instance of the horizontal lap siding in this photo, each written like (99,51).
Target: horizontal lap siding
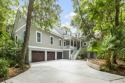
(45,39)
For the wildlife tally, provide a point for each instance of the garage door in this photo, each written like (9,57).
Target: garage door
(59,55)
(38,56)
(50,55)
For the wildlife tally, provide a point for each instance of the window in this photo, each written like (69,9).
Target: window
(64,43)
(90,42)
(16,38)
(51,40)
(60,42)
(39,37)
(66,32)
(84,44)
(76,35)
(24,34)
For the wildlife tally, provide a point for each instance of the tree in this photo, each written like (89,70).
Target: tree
(7,19)
(26,38)
(104,16)
(66,28)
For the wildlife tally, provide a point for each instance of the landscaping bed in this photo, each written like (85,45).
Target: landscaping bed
(14,72)
(118,69)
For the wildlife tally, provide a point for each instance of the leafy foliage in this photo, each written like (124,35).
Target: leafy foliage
(67,28)
(106,16)
(46,14)
(3,68)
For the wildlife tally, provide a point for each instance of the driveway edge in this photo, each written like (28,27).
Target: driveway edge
(94,66)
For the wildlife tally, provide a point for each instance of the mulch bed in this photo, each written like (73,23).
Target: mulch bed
(14,72)
(97,61)
(120,69)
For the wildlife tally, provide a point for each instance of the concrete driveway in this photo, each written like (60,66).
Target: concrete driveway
(64,71)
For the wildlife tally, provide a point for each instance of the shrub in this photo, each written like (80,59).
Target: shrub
(105,68)
(122,59)
(82,55)
(3,68)
(11,51)
(78,57)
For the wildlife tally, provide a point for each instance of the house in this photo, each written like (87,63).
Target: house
(44,46)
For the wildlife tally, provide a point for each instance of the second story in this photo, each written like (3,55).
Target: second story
(38,37)
(57,38)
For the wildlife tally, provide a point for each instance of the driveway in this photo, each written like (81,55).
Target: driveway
(64,71)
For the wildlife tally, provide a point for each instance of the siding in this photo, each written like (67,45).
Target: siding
(32,40)
(20,34)
(45,39)
(19,22)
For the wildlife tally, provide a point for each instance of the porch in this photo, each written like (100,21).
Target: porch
(72,44)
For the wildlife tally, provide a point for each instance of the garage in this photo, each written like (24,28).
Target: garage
(50,56)
(59,55)
(38,56)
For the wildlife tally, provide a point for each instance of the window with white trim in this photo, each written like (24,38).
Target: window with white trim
(24,32)
(39,37)
(60,42)
(16,38)
(51,40)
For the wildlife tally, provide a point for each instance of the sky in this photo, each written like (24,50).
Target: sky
(67,14)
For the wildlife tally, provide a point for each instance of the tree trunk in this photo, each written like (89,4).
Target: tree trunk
(27,33)
(113,59)
(117,10)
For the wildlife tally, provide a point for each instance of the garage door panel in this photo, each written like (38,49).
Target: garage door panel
(50,55)
(59,55)
(38,56)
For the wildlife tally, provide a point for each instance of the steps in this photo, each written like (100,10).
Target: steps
(75,54)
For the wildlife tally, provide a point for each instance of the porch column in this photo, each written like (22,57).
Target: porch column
(55,55)
(30,55)
(69,54)
(45,55)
